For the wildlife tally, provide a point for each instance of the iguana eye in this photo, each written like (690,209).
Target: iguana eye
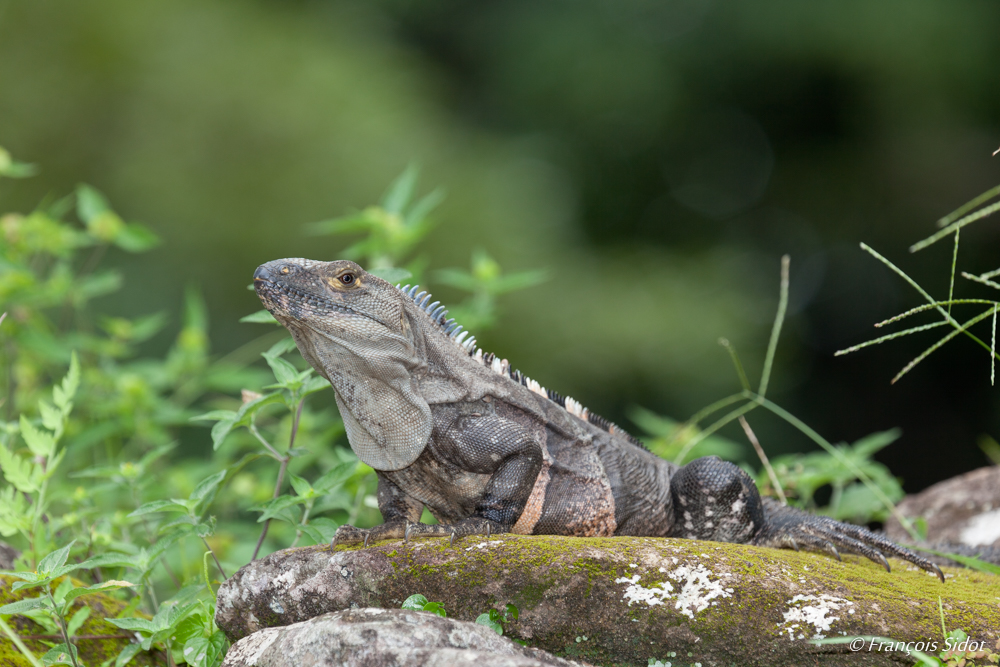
(346,278)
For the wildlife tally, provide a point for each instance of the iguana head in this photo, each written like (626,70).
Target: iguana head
(336,300)
(355,330)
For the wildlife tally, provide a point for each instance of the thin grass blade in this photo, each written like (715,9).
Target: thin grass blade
(898,334)
(779,319)
(932,348)
(980,280)
(968,206)
(969,219)
(926,307)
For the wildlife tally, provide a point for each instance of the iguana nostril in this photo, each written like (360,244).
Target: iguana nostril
(261,273)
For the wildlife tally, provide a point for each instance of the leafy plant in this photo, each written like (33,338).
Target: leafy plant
(90,466)
(418,602)
(494,618)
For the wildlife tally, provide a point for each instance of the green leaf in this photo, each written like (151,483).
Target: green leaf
(22,606)
(220,431)
(188,628)
(283,346)
(336,476)
(216,415)
(423,207)
(126,654)
(55,560)
(273,508)
(207,488)
(77,620)
(512,611)
(868,445)
(52,418)
(398,195)
(314,384)
(435,608)
(415,602)
(111,584)
(41,443)
(60,655)
(260,317)
(160,506)
(487,620)
(134,624)
(320,530)
(301,486)
(284,372)
(90,203)
(205,651)
(134,237)
(25,475)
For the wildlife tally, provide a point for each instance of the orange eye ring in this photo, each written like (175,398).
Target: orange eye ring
(347,278)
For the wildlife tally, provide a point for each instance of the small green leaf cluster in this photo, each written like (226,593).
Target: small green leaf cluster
(802,475)
(494,618)
(418,602)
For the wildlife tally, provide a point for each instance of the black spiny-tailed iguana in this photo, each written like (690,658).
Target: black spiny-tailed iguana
(488,450)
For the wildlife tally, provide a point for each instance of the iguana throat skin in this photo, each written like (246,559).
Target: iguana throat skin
(487,450)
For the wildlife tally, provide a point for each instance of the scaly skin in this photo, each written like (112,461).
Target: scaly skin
(487,450)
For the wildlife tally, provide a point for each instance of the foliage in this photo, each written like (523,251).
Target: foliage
(98,483)
(494,618)
(418,602)
(950,225)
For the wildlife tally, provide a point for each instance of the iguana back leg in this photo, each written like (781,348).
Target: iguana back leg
(715,500)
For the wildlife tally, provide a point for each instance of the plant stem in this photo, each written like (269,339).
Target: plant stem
(62,629)
(779,319)
(752,437)
(216,558)
(281,471)
(303,522)
(9,631)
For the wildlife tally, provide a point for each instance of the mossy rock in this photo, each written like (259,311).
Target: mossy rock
(621,600)
(93,652)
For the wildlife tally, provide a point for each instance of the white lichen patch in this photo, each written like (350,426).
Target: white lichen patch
(483,545)
(814,610)
(697,590)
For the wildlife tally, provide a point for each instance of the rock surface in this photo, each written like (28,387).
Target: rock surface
(627,600)
(384,637)
(961,510)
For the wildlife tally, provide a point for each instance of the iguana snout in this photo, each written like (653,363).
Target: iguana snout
(336,297)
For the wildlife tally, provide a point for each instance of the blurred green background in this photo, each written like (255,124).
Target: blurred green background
(657,157)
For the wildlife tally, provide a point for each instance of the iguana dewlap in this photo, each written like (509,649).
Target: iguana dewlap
(488,450)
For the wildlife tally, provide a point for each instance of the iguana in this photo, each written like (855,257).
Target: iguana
(488,450)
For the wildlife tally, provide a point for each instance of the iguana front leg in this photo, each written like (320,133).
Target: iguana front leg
(398,511)
(473,443)
(715,500)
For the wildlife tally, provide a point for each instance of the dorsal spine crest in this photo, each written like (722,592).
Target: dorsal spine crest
(467,343)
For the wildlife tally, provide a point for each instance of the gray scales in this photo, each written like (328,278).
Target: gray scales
(488,450)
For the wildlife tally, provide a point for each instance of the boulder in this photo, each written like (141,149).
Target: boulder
(384,638)
(627,600)
(962,510)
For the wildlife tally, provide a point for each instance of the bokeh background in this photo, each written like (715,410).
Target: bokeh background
(657,157)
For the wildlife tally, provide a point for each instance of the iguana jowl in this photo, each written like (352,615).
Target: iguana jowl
(488,450)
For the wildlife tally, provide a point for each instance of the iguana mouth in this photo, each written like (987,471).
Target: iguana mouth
(297,304)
